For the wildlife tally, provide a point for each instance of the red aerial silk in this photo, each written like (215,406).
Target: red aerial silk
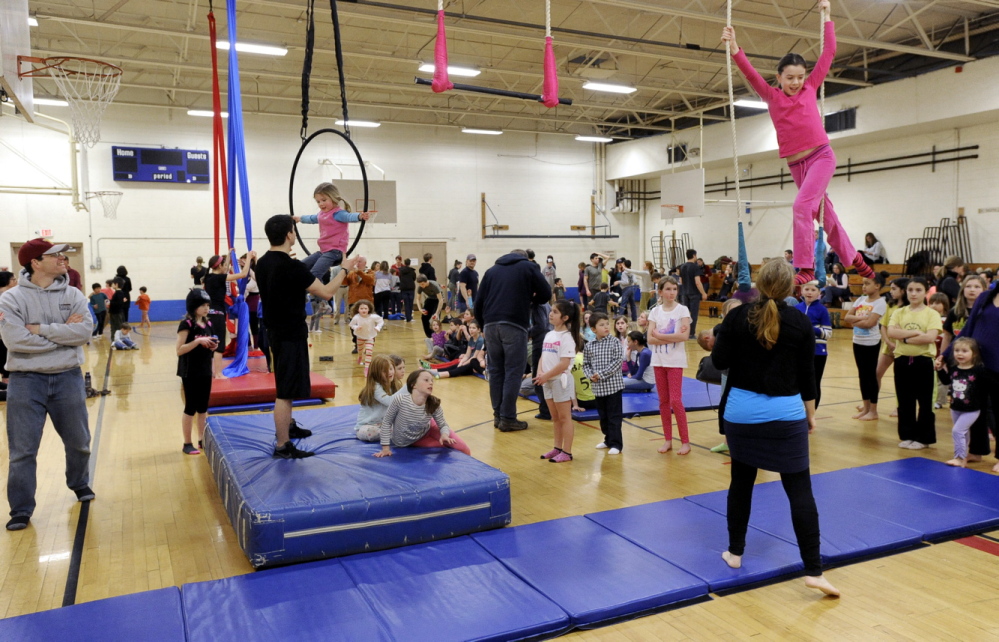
(441,81)
(550,94)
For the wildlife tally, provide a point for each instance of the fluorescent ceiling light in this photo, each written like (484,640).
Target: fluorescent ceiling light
(594,139)
(206,113)
(245,47)
(752,104)
(32,21)
(614,89)
(359,123)
(451,70)
(487,132)
(53,102)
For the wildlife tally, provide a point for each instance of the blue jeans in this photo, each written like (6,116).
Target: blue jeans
(320,263)
(638,385)
(33,396)
(506,346)
(629,301)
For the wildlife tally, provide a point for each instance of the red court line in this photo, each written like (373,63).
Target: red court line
(980,544)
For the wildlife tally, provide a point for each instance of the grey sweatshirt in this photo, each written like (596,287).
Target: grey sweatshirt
(58,345)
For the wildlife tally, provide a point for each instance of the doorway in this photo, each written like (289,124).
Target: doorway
(416,249)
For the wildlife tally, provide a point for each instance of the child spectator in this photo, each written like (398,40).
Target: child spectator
(968,381)
(621,334)
(143,304)
(375,398)
(940,303)
(108,289)
(584,398)
(865,317)
(819,316)
(559,290)
(415,419)
(319,308)
(669,329)
(641,377)
(123,338)
(560,347)
(334,231)
(365,325)
(602,364)
(118,307)
(602,300)
(195,345)
(895,300)
(472,362)
(99,304)
(437,341)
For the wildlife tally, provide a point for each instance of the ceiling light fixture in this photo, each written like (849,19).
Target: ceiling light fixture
(614,89)
(52,102)
(205,113)
(487,132)
(32,21)
(594,139)
(246,47)
(359,123)
(428,67)
(752,104)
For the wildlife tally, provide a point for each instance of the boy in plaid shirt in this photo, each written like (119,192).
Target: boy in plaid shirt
(602,364)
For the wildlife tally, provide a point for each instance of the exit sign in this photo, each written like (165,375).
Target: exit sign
(43,233)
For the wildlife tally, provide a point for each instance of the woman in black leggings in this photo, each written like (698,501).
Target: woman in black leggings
(767,347)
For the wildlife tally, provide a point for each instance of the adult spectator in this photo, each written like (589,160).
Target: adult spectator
(44,324)
(283,283)
(503,309)
(199,272)
(874,251)
(468,285)
(768,410)
(126,285)
(631,292)
(954,270)
(395,266)
(75,280)
(430,299)
(407,288)
(360,283)
(837,286)
(452,285)
(426,269)
(593,275)
(691,288)
(643,282)
(7,281)
(549,271)
(789,256)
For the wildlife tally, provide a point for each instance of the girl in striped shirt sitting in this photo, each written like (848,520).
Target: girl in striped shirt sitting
(415,419)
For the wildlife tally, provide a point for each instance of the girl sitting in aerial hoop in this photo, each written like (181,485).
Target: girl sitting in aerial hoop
(333,223)
(802,140)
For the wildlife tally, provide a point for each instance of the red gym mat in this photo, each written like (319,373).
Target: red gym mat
(258,387)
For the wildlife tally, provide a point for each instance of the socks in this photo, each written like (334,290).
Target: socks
(804,275)
(863,269)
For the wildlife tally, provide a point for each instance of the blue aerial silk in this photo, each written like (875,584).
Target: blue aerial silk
(744,277)
(820,257)
(237,182)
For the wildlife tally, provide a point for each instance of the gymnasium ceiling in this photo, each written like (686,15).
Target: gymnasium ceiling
(668,49)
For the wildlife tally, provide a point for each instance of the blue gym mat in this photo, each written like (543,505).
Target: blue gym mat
(697,395)
(693,538)
(344,500)
(452,590)
(314,601)
(151,616)
(972,486)
(595,575)
(846,532)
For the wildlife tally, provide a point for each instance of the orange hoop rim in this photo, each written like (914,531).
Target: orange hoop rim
(57,62)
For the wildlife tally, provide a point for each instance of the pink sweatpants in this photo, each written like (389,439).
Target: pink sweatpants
(433,440)
(669,386)
(812,175)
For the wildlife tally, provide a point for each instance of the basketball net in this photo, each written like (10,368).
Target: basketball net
(88,86)
(670,211)
(109,202)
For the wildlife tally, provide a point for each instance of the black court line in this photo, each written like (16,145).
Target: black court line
(76,557)
(989,537)
(659,432)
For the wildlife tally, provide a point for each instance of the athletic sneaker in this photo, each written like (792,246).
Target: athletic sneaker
(905,444)
(613,451)
(288,451)
(551,453)
(84,494)
(720,448)
(189,449)
(296,431)
(600,446)
(18,523)
(916,445)
(560,458)
(425,364)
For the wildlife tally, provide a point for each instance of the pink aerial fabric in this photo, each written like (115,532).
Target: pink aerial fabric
(441,81)
(550,95)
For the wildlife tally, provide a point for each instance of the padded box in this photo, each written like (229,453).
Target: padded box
(259,387)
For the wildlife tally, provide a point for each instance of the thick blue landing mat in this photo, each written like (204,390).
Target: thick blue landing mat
(314,601)
(344,500)
(451,590)
(596,575)
(972,486)
(152,616)
(697,395)
(846,532)
(693,538)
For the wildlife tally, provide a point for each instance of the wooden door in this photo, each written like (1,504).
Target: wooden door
(416,249)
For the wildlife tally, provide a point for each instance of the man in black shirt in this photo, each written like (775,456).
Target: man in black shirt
(283,283)
(691,288)
(407,288)
(468,285)
(198,272)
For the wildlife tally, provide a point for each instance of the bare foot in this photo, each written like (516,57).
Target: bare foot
(822,584)
(684,450)
(220,376)
(957,461)
(665,448)
(861,409)
(894,413)
(871,416)
(995,468)
(859,414)
(734,561)
(974,458)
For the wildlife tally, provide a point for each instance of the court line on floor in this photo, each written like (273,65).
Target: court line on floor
(76,556)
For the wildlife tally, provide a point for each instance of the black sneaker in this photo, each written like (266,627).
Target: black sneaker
(288,451)
(354,351)
(189,449)
(84,494)
(543,417)
(18,523)
(295,431)
(511,425)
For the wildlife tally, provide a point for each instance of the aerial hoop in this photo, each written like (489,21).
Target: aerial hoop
(294,171)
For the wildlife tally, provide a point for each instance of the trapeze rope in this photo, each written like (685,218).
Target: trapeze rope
(744,276)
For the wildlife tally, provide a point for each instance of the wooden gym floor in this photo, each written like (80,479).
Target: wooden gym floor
(157,520)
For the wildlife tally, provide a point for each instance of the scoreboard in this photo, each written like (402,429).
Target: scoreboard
(157,165)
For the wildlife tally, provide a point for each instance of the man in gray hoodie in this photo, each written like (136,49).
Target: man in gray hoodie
(44,324)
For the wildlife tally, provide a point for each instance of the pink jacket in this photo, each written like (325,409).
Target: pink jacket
(796,118)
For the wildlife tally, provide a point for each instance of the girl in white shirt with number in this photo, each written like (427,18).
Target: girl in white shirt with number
(669,329)
(560,347)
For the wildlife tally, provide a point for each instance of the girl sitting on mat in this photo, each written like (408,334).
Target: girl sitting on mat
(375,398)
(641,376)
(669,328)
(333,223)
(415,419)
(366,326)
(802,140)
(436,342)
(195,345)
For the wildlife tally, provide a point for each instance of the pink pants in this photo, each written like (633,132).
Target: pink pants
(669,385)
(812,175)
(433,440)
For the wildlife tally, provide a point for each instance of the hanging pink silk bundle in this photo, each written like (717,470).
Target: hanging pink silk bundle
(550,94)
(441,81)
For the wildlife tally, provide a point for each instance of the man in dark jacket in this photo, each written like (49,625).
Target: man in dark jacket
(503,309)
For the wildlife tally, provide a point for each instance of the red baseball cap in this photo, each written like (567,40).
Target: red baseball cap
(36,249)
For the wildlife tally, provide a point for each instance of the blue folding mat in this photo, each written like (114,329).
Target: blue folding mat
(697,395)
(846,532)
(593,574)
(344,500)
(972,486)
(313,601)
(693,538)
(451,590)
(151,616)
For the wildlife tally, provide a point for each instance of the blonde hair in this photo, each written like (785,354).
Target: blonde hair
(381,371)
(330,191)
(961,309)
(728,305)
(775,283)
(976,354)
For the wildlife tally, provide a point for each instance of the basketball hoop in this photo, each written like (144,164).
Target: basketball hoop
(671,211)
(372,215)
(109,202)
(88,86)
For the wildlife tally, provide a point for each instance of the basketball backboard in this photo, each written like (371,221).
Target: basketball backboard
(684,189)
(15,41)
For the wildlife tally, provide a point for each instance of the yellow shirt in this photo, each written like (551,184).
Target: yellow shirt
(925,319)
(883,322)
(583,390)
